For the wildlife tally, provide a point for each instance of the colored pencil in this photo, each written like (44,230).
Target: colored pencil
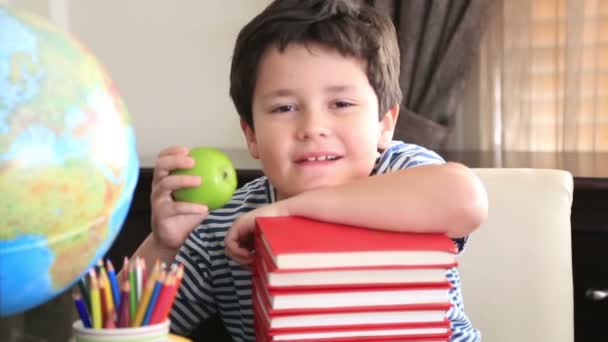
(163,299)
(82,310)
(103,298)
(109,307)
(113,284)
(139,277)
(106,294)
(123,315)
(151,305)
(133,294)
(136,298)
(144,273)
(145,298)
(125,269)
(84,291)
(95,300)
(109,322)
(178,280)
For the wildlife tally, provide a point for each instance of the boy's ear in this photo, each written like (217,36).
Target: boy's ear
(387,127)
(252,144)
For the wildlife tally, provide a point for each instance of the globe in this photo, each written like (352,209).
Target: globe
(68,161)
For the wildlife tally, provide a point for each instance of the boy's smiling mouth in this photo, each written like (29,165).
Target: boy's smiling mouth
(319,157)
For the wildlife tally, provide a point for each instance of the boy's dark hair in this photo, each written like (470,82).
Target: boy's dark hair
(352,28)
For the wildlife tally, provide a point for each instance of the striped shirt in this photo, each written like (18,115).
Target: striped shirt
(213,283)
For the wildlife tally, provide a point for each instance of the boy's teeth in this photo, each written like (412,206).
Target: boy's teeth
(321,158)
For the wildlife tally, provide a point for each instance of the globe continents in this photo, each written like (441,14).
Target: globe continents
(68,161)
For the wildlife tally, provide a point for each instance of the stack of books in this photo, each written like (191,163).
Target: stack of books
(318,281)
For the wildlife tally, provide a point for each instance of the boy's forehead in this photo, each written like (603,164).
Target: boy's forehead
(311,47)
(299,52)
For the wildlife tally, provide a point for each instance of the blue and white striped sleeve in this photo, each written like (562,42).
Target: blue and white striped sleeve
(401,156)
(194,301)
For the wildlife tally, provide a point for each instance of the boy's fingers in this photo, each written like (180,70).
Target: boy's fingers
(167,185)
(184,208)
(164,165)
(179,208)
(173,150)
(172,162)
(239,254)
(234,242)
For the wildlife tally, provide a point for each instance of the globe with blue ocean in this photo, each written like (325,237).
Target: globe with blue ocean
(68,161)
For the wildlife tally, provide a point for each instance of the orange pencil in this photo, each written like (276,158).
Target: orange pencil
(145,298)
(103,296)
(107,288)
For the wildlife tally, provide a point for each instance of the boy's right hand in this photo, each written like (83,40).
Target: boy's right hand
(173,221)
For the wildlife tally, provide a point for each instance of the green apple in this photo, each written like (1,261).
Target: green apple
(218,178)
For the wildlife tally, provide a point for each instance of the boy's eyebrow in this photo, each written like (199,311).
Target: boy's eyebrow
(337,88)
(278,93)
(289,92)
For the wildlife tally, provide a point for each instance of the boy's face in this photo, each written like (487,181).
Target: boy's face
(316,119)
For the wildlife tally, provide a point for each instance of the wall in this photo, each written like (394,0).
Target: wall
(170,60)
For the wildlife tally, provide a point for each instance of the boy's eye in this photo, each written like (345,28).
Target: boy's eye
(342,104)
(284,109)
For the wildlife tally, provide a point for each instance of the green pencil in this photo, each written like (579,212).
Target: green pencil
(133,293)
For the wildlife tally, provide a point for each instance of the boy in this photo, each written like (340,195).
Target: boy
(316,86)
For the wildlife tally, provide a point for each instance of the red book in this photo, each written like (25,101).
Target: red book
(387,317)
(298,243)
(339,278)
(339,299)
(436,332)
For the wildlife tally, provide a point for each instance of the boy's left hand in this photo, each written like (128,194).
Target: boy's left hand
(239,238)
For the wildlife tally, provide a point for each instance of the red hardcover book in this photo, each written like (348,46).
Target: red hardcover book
(355,299)
(340,278)
(299,243)
(438,332)
(390,318)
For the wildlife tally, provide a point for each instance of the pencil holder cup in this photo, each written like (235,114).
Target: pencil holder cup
(147,333)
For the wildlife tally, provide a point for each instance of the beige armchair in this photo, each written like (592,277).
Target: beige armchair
(517,268)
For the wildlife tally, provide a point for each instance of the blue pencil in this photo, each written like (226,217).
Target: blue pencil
(153,298)
(114,284)
(82,310)
(84,291)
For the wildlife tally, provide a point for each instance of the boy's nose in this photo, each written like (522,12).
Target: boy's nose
(313,125)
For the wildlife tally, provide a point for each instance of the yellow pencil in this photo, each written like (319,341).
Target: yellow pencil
(95,300)
(145,298)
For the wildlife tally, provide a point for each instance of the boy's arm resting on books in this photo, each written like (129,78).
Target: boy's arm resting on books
(446,198)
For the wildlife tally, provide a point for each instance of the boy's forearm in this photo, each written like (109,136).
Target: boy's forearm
(150,252)
(439,198)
